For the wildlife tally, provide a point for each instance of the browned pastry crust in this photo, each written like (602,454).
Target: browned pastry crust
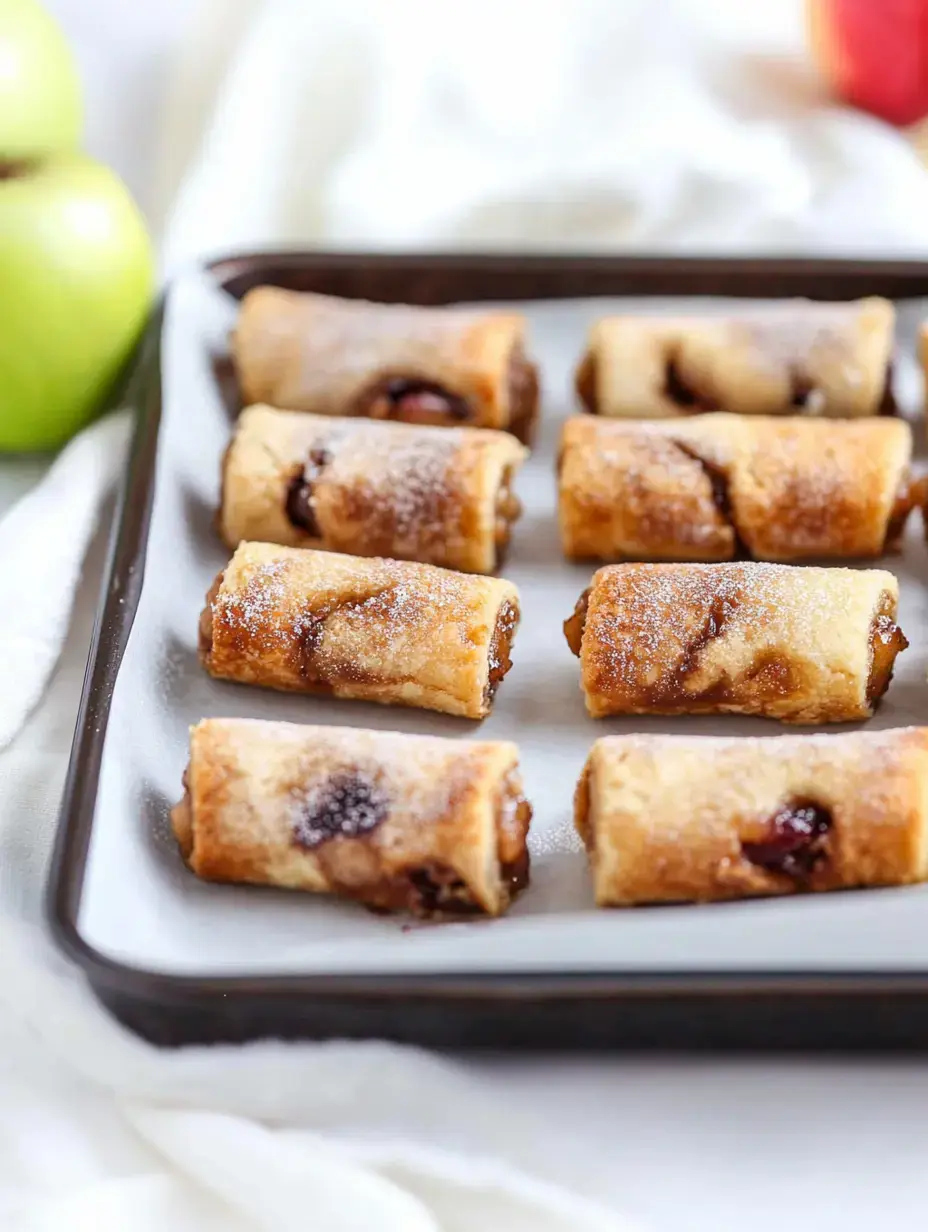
(438,495)
(798,358)
(447,366)
(798,644)
(720,486)
(387,631)
(401,823)
(689,818)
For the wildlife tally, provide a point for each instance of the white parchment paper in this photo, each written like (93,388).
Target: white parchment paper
(142,907)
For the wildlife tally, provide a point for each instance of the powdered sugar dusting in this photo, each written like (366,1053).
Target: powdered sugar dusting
(256,605)
(880,764)
(648,624)
(789,487)
(407,482)
(344,618)
(350,340)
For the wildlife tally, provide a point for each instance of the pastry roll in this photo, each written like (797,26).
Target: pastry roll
(798,644)
(447,366)
(720,486)
(414,823)
(386,631)
(799,358)
(690,818)
(439,495)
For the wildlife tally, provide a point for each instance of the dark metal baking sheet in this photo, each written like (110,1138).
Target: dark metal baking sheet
(682,1010)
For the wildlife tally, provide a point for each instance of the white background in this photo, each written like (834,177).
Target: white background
(685,1145)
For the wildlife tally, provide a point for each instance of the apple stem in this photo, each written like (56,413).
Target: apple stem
(14,169)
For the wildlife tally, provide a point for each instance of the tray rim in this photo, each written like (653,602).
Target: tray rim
(121,589)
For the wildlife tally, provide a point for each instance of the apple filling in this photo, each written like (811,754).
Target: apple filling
(513,816)
(585,383)
(795,840)
(498,660)
(523,394)
(574,625)
(205,630)
(507,510)
(413,401)
(299,505)
(182,820)
(907,497)
(886,641)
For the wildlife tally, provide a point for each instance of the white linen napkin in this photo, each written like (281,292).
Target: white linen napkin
(42,543)
(603,124)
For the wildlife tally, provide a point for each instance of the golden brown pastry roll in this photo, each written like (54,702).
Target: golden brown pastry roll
(398,822)
(386,631)
(690,818)
(798,358)
(330,356)
(722,486)
(784,642)
(439,495)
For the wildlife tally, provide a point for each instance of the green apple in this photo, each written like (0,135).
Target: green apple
(77,272)
(40,92)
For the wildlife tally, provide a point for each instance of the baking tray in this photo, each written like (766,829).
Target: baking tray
(728,1007)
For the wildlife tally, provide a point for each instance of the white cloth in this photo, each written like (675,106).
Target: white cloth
(512,123)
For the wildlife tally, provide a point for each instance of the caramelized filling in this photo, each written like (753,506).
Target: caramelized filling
(888,404)
(806,396)
(513,816)
(886,641)
(721,495)
(907,497)
(523,395)
(575,624)
(582,808)
(500,645)
(508,509)
(585,383)
(685,396)
(182,819)
(299,500)
(795,842)
(348,804)
(413,401)
(436,889)
(205,629)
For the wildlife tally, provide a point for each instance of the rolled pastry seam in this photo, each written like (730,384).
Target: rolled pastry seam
(388,631)
(401,823)
(798,358)
(690,818)
(785,642)
(329,356)
(439,495)
(722,486)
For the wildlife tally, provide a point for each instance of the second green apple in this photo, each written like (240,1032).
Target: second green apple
(76,271)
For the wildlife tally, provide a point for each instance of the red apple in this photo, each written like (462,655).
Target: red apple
(874,54)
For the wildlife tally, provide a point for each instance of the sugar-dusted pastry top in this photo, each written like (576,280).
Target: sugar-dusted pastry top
(439,495)
(795,358)
(800,644)
(330,356)
(684,818)
(399,822)
(719,486)
(389,631)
